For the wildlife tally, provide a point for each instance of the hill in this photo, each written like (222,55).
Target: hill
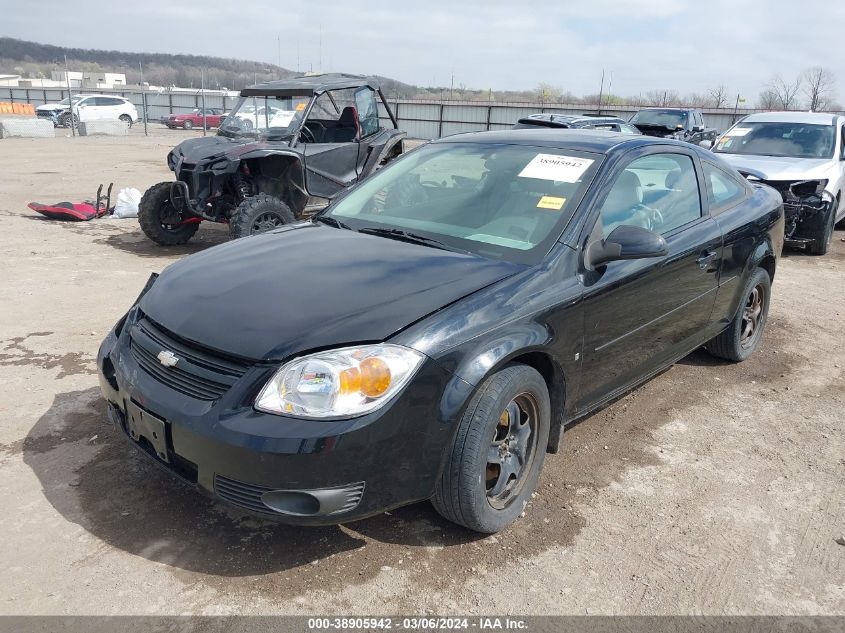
(31,59)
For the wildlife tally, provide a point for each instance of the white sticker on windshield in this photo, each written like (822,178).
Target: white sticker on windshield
(282,118)
(738,131)
(555,167)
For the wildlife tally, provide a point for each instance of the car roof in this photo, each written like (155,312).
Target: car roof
(309,84)
(585,140)
(819,118)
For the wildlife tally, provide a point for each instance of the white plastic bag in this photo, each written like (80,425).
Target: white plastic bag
(128,200)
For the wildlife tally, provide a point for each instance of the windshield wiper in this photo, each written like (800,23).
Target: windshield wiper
(414,238)
(327,219)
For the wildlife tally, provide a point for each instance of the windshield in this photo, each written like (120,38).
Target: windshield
(66,101)
(265,116)
(498,201)
(671,119)
(793,140)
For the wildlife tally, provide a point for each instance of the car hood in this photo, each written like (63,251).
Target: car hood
(50,107)
(660,131)
(780,168)
(310,286)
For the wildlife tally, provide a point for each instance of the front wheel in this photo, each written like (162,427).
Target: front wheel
(69,120)
(824,235)
(259,214)
(498,452)
(159,219)
(742,336)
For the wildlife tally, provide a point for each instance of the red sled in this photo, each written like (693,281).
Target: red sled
(68,211)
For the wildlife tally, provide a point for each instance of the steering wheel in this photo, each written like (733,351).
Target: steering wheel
(651,218)
(307,135)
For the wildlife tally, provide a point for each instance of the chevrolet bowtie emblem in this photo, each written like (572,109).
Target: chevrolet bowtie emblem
(167,358)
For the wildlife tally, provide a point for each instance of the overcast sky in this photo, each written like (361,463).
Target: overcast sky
(685,45)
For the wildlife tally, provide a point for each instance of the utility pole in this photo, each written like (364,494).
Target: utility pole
(202,92)
(601,90)
(320,59)
(69,99)
(452,86)
(279,43)
(143,97)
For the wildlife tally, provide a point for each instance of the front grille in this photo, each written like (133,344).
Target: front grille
(248,496)
(197,373)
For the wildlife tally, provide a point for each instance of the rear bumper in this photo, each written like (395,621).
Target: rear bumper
(291,470)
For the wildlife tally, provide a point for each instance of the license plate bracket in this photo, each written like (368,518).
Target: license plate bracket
(140,424)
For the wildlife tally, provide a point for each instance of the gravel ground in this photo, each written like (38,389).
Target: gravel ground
(713,489)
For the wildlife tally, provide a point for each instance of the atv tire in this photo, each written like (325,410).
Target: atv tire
(259,214)
(154,207)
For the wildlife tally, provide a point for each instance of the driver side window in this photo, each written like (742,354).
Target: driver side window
(658,192)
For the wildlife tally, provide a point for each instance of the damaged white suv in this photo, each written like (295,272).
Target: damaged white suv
(802,155)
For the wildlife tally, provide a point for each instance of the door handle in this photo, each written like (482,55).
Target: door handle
(706,259)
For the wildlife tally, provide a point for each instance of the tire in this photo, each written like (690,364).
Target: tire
(188,125)
(154,208)
(736,343)
(126,119)
(824,236)
(259,214)
(841,224)
(65,120)
(481,494)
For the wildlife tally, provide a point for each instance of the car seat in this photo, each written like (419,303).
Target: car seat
(347,128)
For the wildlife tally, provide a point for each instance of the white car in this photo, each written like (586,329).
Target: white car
(802,155)
(90,108)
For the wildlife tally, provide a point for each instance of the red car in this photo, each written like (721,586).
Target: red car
(190,120)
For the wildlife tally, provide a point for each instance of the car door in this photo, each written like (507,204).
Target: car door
(642,314)
(331,156)
(373,137)
(87,109)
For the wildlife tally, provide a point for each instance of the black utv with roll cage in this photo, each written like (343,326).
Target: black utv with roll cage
(285,150)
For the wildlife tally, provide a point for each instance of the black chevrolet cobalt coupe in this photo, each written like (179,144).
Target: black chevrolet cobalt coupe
(431,334)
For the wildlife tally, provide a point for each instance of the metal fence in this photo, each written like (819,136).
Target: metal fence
(159,104)
(420,119)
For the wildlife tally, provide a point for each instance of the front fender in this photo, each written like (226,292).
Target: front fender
(528,343)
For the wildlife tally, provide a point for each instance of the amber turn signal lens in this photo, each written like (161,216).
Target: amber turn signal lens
(350,381)
(375,377)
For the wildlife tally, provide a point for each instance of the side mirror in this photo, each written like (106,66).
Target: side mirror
(706,144)
(625,242)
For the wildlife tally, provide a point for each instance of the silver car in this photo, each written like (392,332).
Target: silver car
(802,155)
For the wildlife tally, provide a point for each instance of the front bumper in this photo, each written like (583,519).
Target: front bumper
(288,469)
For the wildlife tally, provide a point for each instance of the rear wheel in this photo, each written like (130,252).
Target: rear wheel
(743,335)
(259,214)
(159,219)
(127,120)
(498,452)
(187,125)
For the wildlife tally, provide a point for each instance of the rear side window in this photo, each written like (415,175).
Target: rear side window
(365,102)
(725,191)
(658,192)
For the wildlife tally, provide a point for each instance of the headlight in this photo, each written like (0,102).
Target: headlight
(344,382)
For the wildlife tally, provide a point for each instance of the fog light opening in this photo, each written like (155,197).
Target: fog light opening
(291,502)
(108,372)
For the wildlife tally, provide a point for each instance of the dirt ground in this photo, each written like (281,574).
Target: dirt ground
(713,489)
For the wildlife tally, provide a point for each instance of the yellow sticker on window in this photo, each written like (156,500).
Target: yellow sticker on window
(300,107)
(550,202)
